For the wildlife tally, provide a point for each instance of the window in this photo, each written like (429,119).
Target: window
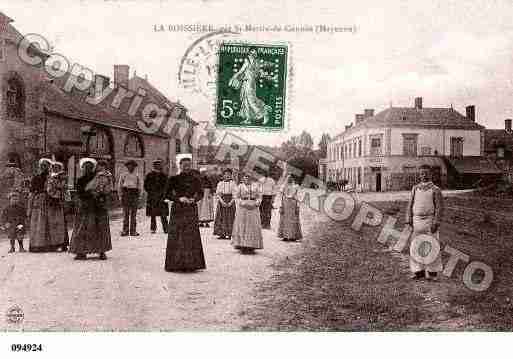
(500,152)
(425,151)
(410,144)
(178,145)
(15,99)
(99,143)
(359,148)
(375,149)
(354,148)
(456,146)
(359,175)
(134,146)
(349,146)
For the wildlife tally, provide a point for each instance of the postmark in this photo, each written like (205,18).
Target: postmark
(14,315)
(197,70)
(251,86)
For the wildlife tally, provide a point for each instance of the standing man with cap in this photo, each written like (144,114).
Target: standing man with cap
(129,188)
(155,185)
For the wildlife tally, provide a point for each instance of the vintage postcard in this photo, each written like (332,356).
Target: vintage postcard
(306,166)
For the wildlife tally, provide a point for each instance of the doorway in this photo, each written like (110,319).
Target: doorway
(378,181)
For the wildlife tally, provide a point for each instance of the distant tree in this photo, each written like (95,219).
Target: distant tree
(323,145)
(305,140)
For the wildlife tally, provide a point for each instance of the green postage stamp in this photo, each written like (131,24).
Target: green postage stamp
(251,86)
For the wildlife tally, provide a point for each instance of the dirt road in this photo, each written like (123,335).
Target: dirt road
(131,291)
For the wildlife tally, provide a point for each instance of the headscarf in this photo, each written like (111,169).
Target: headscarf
(84,160)
(42,160)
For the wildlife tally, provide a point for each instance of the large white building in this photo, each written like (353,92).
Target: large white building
(383,151)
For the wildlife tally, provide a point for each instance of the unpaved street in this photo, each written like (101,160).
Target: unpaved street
(131,290)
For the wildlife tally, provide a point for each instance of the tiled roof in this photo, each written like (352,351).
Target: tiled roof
(494,138)
(412,117)
(156,96)
(73,105)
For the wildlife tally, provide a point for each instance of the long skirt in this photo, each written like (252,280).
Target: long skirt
(223,225)
(48,230)
(206,207)
(247,230)
(266,208)
(91,232)
(422,225)
(290,224)
(184,250)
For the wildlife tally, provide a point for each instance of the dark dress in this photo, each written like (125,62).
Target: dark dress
(225,216)
(155,185)
(184,250)
(43,238)
(15,215)
(91,232)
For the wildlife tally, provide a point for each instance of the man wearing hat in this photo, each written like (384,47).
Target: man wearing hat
(129,188)
(155,185)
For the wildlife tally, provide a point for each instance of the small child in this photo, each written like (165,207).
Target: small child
(13,220)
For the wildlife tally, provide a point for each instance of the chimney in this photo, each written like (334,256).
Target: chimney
(121,74)
(418,103)
(471,113)
(358,118)
(507,124)
(101,82)
(368,112)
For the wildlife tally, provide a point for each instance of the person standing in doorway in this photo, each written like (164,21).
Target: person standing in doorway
(129,187)
(268,192)
(155,186)
(424,214)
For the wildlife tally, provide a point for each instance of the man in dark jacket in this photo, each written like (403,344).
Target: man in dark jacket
(155,185)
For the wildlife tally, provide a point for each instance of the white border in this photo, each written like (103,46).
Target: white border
(288,89)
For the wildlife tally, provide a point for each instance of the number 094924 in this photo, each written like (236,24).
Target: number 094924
(26,347)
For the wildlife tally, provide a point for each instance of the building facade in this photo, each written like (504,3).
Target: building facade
(38,117)
(383,151)
(498,147)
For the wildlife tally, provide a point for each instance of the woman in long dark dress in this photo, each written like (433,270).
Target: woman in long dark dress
(91,233)
(225,213)
(184,251)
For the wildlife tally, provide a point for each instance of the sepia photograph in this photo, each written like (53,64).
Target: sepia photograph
(319,173)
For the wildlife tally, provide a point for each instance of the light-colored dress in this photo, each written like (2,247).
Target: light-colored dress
(247,228)
(252,108)
(206,206)
(290,224)
(425,208)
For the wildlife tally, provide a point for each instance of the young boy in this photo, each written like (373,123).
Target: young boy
(13,220)
(424,214)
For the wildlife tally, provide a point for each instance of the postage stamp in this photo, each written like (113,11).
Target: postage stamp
(251,86)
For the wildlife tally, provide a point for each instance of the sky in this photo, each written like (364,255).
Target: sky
(448,52)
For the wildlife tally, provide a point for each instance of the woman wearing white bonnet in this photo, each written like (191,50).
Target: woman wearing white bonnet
(91,233)
(42,238)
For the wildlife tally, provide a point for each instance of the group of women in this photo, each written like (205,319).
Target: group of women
(238,214)
(46,210)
